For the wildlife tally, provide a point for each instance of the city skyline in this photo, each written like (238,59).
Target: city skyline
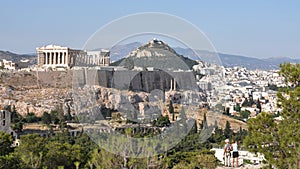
(261,29)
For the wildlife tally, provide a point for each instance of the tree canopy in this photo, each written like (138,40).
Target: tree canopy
(6,141)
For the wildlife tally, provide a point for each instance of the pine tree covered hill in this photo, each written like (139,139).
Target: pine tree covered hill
(156,53)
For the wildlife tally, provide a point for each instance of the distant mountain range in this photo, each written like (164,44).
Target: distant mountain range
(228,60)
(18,57)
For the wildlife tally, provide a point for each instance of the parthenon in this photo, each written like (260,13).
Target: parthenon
(58,56)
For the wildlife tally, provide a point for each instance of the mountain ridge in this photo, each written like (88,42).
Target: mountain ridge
(7,55)
(118,52)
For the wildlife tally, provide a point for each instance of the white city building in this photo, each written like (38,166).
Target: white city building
(9,65)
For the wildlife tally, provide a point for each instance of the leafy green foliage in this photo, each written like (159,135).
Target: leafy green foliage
(65,151)
(195,159)
(54,117)
(218,137)
(31,118)
(291,73)
(31,150)
(162,121)
(46,118)
(10,162)
(6,141)
(273,87)
(16,119)
(237,108)
(248,103)
(245,114)
(58,154)
(103,159)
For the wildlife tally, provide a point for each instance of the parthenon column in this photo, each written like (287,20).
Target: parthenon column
(59,55)
(62,57)
(39,58)
(50,60)
(55,57)
(67,59)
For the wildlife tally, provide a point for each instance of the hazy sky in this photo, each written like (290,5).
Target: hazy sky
(256,28)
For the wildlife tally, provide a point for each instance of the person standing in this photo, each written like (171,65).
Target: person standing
(227,154)
(235,153)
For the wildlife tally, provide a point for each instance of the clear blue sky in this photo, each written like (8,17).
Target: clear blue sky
(257,28)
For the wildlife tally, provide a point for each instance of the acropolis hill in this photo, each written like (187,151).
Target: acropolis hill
(51,89)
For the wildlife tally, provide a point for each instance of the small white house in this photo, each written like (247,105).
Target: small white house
(9,65)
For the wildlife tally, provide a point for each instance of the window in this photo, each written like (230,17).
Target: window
(3,114)
(3,123)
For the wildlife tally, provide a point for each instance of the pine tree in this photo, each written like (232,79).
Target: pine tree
(245,103)
(258,105)
(203,124)
(6,141)
(227,131)
(237,108)
(171,110)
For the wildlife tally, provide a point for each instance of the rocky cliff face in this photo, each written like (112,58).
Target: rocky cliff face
(36,92)
(36,101)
